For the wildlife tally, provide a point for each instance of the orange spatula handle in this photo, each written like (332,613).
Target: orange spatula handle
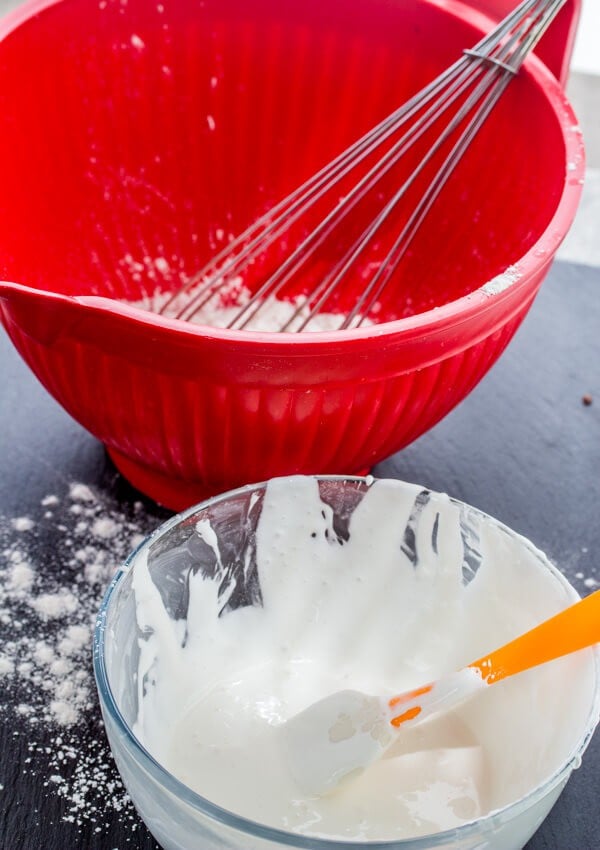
(574,628)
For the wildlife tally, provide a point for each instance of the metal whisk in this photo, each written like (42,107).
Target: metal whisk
(458,101)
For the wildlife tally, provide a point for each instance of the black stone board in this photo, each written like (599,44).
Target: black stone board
(523,447)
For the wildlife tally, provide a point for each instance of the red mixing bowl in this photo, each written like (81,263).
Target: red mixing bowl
(133,134)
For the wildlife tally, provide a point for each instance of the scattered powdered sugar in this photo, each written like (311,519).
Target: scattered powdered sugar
(7,666)
(589,582)
(502,281)
(77,492)
(137,42)
(54,569)
(152,270)
(105,527)
(19,574)
(51,606)
(161,265)
(22,523)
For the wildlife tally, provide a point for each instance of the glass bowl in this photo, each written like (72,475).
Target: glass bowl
(519,575)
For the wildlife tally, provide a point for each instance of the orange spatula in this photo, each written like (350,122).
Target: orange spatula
(346,731)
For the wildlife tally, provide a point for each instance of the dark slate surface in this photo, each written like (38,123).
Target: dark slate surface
(522,447)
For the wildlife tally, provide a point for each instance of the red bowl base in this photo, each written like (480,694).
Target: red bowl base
(176,494)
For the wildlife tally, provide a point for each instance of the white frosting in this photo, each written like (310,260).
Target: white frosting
(392,607)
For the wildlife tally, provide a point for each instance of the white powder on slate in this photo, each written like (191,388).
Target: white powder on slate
(50,606)
(54,569)
(79,492)
(105,527)
(7,666)
(22,523)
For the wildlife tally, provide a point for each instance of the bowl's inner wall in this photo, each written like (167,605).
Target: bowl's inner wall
(136,137)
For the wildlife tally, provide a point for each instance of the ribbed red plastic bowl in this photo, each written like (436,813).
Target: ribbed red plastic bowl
(133,132)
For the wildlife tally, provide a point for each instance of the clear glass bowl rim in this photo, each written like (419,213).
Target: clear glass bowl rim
(202,805)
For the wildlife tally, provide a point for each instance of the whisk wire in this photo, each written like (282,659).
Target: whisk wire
(294,205)
(302,253)
(508,68)
(286,212)
(472,85)
(252,242)
(307,248)
(389,264)
(271,224)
